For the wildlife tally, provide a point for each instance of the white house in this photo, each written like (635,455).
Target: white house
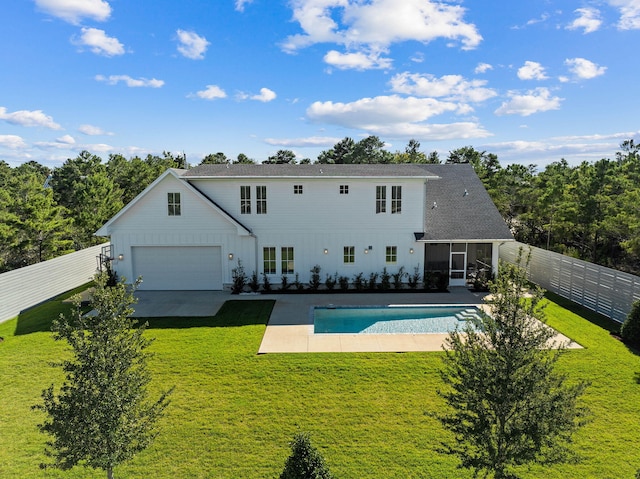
(189,229)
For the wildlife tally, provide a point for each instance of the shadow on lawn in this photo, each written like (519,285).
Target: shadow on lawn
(232,313)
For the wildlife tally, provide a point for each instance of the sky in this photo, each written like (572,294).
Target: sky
(530,81)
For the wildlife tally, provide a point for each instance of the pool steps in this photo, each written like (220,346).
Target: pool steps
(468,314)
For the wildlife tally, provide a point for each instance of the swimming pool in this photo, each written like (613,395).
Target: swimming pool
(391,319)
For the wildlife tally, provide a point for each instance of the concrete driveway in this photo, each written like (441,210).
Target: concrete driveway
(156,304)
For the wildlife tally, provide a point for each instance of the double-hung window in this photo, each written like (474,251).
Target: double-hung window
(173,204)
(381,199)
(269,259)
(261,200)
(245,200)
(286,254)
(396,199)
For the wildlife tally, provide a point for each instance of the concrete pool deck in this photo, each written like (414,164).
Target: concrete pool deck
(290,326)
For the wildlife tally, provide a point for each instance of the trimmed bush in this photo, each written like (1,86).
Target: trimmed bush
(630,330)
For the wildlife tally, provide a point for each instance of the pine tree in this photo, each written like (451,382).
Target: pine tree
(101,416)
(305,462)
(507,406)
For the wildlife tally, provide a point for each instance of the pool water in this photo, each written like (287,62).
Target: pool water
(391,319)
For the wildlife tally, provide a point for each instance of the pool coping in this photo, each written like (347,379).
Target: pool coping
(290,327)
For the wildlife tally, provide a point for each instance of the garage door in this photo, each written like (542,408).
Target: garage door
(178,267)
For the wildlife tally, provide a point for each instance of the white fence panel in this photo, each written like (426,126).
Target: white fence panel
(25,287)
(604,290)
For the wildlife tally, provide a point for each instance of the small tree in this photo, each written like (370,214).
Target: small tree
(101,416)
(239,278)
(305,462)
(314,283)
(630,330)
(507,406)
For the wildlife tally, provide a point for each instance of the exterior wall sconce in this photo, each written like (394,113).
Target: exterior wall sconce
(326,251)
(366,251)
(230,256)
(120,257)
(410,250)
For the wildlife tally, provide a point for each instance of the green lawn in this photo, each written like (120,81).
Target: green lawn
(234,412)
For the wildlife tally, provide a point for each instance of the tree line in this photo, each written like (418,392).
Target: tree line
(590,211)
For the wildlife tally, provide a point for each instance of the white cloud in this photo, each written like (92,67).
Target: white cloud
(452,87)
(99,42)
(129,81)
(588,19)
(373,26)
(368,112)
(29,118)
(312,141)
(534,101)
(73,11)
(210,93)
(584,69)
(13,142)
(357,60)
(483,68)
(192,45)
(92,130)
(241,3)
(396,117)
(265,95)
(629,13)
(66,139)
(531,71)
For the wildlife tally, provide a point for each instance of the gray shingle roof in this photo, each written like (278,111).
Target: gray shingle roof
(459,207)
(316,170)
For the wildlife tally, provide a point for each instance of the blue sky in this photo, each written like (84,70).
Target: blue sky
(532,82)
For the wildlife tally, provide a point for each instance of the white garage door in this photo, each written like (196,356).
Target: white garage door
(178,267)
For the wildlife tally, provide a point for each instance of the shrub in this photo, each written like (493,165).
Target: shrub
(414,278)
(266,283)
(385,280)
(373,280)
(239,279)
(254,283)
(442,282)
(331,281)
(284,283)
(305,462)
(297,284)
(314,284)
(630,330)
(343,281)
(398,277)
(358,281)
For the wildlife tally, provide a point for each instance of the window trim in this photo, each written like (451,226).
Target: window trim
(269,258)
(245,199)
(391,255)
(287,260)
(396,199)
(261,200)
(381,199)
(349,255)
(174,204)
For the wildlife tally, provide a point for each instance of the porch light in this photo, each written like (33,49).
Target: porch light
(410,250)
(120,257)
(326,251)
(366,251)
(230,256)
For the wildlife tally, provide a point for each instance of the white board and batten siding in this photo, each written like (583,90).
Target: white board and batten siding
(321,218)
(182,252)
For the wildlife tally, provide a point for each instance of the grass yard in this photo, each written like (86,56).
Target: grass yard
(234,412)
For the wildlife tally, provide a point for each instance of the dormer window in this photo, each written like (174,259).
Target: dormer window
(173,204)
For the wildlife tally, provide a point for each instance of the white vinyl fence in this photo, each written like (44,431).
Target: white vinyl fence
(25,287)
(604,290)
